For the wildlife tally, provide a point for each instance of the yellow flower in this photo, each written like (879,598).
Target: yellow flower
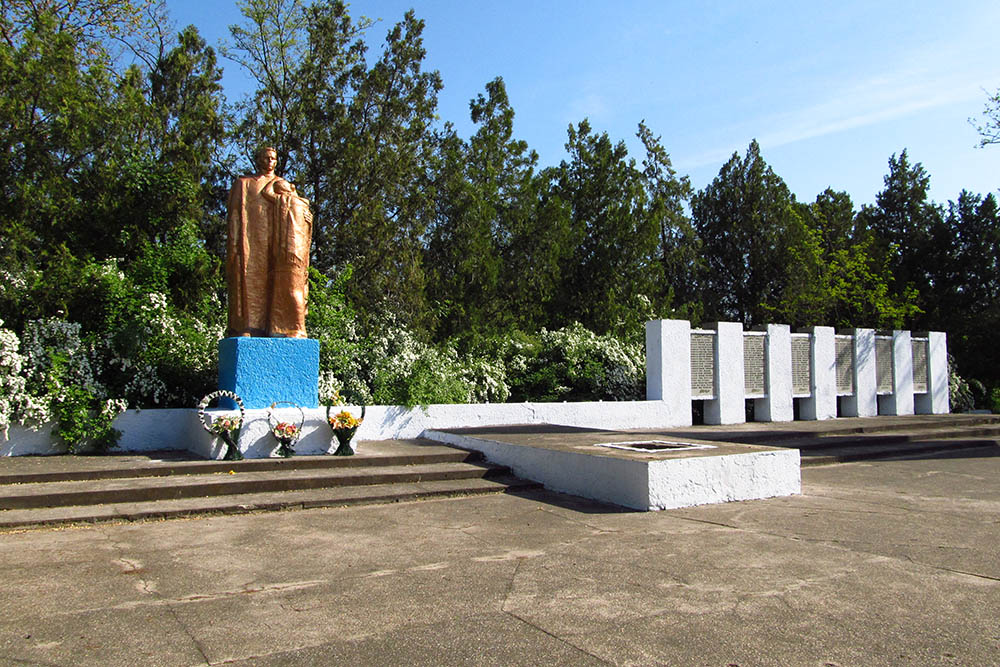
(344,420)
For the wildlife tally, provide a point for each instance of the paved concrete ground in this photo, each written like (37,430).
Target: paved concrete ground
(881,563)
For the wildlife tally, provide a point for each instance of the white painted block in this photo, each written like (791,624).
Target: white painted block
(900,401)
(668,367)
(729,406)
(936,401)
(863,403)
(612,480)
(777,406)
(822,403)
(644,484)
(705,480)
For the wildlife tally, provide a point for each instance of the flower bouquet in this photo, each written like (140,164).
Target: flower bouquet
(227,427)
(344,426)
(286,433)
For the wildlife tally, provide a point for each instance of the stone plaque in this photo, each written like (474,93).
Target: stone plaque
(884,378)
(753,365)
(801,365)
(919,365)
(845,365)
(702,365)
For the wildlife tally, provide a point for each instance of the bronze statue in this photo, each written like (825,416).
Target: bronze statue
(267,261)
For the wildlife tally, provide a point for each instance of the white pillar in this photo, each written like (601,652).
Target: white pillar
(777,406)
(668,367)
(822,403)
(729,406)
(935,401)
(900,401)
(864,401)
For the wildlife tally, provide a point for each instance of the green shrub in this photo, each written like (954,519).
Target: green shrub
(571,364)
(964,393)
(60,386)
(995,400)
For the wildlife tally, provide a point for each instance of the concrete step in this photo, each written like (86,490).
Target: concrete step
(901,428)
(837,447)
(873,439)
(256,502)
(140,489)
(865,452)
(35,469)
(856,439)
(69,489)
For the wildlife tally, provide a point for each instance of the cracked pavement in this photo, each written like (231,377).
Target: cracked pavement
(876,563)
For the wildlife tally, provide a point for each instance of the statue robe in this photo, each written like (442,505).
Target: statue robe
(248,256)
(290,241)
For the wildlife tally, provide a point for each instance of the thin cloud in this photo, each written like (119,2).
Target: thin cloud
(875,100)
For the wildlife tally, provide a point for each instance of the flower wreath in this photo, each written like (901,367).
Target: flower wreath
(227,428)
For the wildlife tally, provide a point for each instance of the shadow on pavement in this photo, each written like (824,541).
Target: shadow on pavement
(565,501)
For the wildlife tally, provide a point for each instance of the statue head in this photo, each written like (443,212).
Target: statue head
(265,159)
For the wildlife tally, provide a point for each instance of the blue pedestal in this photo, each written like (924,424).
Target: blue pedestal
(267,370)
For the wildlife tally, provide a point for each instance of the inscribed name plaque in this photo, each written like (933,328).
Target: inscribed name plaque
(845,365)
(884,368)
(702,365)
(801,365)
(753,365)
(920,368)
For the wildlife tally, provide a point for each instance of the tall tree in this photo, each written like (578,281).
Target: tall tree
(383,198)
(484,200)
(989,127)
(101,194)
(901,222)
(679,246)
(834,277)
(270,46)
(90,22)
(537,258)
(615,266)
(964,293)
(743,218)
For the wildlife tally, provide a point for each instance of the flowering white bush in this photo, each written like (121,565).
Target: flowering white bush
(13,284)
(56,357)
(54,380)
(571,363)
(487,380)
(13,385)
(604,365)
(393,367)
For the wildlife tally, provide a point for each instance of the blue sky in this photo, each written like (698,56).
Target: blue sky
(829,89)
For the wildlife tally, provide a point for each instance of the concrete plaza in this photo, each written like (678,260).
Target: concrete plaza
(876,563)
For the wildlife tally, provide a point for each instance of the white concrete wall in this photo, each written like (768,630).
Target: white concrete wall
(668,366)
(822,403)
(900,401)
(23,441)
(778,405)
(728,406)
(142,430)
(668,401)
(668,344)
(705,480)
(613,480)
(146,430)
(936,400)
(863,403)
